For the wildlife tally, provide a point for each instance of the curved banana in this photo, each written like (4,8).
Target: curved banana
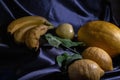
(20,33)
(25,21)
(33,35)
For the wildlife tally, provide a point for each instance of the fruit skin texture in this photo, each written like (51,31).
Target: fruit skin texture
(85,69)
(65,30)
(100,56)
(33,35)
(19,35)
(101,34)
(29,28)
(25,21)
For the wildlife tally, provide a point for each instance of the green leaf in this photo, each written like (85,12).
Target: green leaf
(56,41)
(68,43)
(62,58)
(65,59)
(74,57)
(52,40)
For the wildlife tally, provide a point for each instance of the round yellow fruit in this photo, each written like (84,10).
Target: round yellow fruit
(65,30)
(100,56)
(101,34)
(85,69)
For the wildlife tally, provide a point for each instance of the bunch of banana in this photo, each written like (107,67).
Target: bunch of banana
(32,36)
(28,30)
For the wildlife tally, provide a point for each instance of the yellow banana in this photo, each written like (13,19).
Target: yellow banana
(20,33)
(33,35)
(25,21)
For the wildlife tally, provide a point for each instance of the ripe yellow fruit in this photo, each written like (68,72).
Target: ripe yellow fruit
(65,30)
(100,56)
(29,29)
(85,69)
(33,35)
(26,21)
(101,34)
(19,34)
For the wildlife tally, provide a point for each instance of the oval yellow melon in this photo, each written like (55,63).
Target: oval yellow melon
(100,56)
(101,34)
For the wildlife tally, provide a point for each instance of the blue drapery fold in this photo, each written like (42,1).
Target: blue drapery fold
(20,63)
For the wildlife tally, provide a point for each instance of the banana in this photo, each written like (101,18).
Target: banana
(20,33)
(26,21)
(33,35)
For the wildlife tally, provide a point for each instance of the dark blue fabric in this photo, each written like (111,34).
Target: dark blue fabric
(20,63)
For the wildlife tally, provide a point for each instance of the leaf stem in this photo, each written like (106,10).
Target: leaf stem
(74,51)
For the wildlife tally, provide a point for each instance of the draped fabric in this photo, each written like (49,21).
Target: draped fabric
(20,63)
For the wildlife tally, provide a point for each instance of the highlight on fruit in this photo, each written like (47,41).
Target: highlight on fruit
(100,41)
(101,34)
(36,26)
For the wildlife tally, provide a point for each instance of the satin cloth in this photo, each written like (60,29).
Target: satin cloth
(20,63)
